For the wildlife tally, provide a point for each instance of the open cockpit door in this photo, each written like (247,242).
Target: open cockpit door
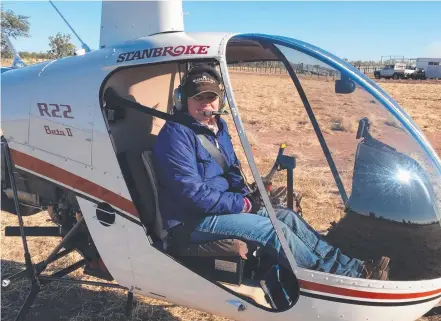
(370,180)
(136,102)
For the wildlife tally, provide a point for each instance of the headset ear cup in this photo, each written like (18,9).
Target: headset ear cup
(184,101)
(177,98)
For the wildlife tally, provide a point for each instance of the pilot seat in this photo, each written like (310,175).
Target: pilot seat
(222,260)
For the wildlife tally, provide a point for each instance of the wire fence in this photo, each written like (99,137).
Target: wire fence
(301,69)
(369,69)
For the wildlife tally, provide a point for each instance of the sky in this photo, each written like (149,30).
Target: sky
(353,30)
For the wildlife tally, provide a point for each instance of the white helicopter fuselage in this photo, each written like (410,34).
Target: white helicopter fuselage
(54,125)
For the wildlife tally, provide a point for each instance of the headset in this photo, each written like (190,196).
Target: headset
(179,96)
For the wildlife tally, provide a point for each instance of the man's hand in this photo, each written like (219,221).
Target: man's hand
(256,201)
(252,202)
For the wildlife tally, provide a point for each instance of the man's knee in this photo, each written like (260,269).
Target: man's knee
(286,213)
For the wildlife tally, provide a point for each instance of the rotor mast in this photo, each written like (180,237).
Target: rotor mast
(123,21)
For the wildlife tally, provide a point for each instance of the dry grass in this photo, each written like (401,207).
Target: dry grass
(7,62)
(272,113)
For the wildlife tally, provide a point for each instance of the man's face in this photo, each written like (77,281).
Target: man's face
(203,102)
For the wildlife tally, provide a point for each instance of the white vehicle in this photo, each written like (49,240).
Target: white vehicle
(431,66)
(395,71)
(78,132)
(412,72)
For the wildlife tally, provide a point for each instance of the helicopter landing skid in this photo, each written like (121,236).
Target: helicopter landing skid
(33,271)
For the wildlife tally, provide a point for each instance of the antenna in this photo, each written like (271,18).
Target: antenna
(83,44)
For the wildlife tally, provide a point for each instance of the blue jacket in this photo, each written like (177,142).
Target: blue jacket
(191,183)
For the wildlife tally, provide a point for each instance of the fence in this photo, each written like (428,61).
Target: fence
(368,69)
(300,69)
(259,69)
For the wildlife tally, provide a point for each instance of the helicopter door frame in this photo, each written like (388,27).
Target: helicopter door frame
(254,170)
(276,51)
(248,153)
(109,97)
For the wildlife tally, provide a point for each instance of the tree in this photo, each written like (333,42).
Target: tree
(60,46)
(13,26)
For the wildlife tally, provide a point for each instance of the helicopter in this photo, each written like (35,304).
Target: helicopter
(79,143)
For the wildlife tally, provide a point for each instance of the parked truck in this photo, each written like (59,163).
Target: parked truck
(414,73)
(395,71)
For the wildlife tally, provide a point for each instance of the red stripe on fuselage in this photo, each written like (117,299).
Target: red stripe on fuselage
(323,288)
(67,178)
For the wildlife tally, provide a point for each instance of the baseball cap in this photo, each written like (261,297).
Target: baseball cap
(201,82)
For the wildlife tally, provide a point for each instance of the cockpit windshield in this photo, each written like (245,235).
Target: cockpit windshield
(363,178)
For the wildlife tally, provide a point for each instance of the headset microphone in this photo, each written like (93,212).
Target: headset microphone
(214,113)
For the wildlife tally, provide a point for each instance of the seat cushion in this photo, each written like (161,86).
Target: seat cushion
(220,248)
(139,185)
(148,164)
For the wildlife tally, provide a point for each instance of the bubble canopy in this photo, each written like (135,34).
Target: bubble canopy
(387,174)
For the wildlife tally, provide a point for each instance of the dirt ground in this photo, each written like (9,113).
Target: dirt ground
(272,113)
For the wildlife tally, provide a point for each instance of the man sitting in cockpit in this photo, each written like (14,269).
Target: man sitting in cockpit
(195,190)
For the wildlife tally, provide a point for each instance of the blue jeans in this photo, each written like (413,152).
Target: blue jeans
(309,249)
